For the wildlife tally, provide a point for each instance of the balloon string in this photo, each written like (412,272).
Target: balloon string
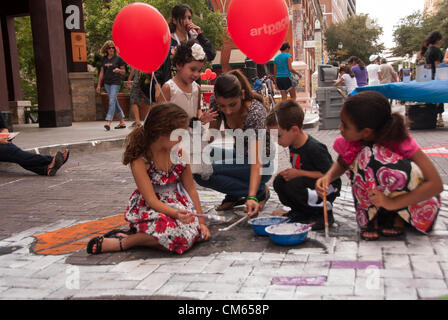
(161,91)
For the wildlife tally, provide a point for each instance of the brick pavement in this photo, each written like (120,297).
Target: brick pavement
(94,185)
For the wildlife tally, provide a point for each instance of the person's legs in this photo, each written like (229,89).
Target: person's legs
(128,241)
(284,95)
(29,161)
(136,113)
(114,106)
(292,93)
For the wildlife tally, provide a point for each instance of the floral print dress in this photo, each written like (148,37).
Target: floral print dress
(170,233)
(377,167)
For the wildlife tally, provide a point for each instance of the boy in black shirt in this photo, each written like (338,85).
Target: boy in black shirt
(310,159)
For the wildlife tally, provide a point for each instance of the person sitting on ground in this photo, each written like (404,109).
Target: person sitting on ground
(310,160)
(392,179)
(41,165)
(160,211)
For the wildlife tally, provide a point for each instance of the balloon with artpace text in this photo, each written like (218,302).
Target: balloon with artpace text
(141,36)
(258,27)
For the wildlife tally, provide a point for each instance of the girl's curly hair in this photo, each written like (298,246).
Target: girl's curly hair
(162,120)
(184,54)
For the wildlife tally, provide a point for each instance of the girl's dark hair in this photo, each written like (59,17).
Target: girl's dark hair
(232,84)
(162,120)
(287,113)
(347,70)
(432,38)
(358,61)
(184,54)
(370,109)
(178,13)
(285,46)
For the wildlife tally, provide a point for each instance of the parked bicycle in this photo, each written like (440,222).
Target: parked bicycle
(267,91)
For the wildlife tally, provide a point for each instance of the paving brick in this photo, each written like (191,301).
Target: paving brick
(224,288)
(112,284)
(369,286)
(341,277)
(324,291)
(427,270)
(416,283)
(426,293)
(393,293)
(153,282)
(396,261)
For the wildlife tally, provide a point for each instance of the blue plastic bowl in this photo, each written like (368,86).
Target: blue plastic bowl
(259,224)
(287,234)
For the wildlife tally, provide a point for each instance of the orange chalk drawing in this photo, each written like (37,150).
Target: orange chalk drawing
(74,238)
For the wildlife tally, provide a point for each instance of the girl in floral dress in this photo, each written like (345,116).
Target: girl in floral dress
(160,210)
(392,180)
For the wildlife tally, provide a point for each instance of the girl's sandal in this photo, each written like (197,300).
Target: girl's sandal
(392,227)
(98,241)
(372,228)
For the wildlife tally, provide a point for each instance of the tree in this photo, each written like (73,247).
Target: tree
(100,16)
(359,35)
(413,29)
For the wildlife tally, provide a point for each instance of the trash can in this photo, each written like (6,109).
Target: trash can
(421,115)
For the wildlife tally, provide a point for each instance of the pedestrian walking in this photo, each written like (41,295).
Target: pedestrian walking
(347,78)
(393,181)
(137,96)
(160,211)
(283,71)
(112,68)
(430,50)
(373,69)
(387,73)
(359,69)
(236,174)
(183,90)
(310,160)
(41,165)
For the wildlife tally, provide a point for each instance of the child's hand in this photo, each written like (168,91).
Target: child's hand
(184,216)
(205,232)
(4,141)
(322,186)
(209,116)
(380,200)
(290,174)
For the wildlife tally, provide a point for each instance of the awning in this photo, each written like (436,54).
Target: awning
(236,57)
(435,91)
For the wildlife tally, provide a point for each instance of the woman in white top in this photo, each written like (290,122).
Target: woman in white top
(347,78)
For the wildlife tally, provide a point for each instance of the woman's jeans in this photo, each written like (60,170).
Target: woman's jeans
(114,106)
(232,179)
(29,161)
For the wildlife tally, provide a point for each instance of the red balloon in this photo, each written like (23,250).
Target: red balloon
(261,34)
(213,76)
(204,76)
(141,36)
(208,72)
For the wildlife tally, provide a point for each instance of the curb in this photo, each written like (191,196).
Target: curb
(89,146)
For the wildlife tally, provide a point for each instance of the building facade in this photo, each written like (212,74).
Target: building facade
(334,11)
(306,48)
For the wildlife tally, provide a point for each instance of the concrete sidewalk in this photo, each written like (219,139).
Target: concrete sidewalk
(95,185)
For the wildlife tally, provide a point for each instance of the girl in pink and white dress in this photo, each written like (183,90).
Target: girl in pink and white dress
(160,209)
(393,181)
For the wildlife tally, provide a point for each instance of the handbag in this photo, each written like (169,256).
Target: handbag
(294,81)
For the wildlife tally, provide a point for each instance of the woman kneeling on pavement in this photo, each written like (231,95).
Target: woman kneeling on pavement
(241,177)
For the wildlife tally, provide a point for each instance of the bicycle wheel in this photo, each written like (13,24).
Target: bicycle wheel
(271,104)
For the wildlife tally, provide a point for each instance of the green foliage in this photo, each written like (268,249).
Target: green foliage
(359,35)
(413,29)
(25,50)
(100,16)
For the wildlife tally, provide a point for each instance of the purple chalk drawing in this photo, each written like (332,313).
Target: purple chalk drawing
(359,265)
(300,281)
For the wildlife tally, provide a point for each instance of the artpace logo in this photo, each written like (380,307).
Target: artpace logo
(196,148)
(270,29)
